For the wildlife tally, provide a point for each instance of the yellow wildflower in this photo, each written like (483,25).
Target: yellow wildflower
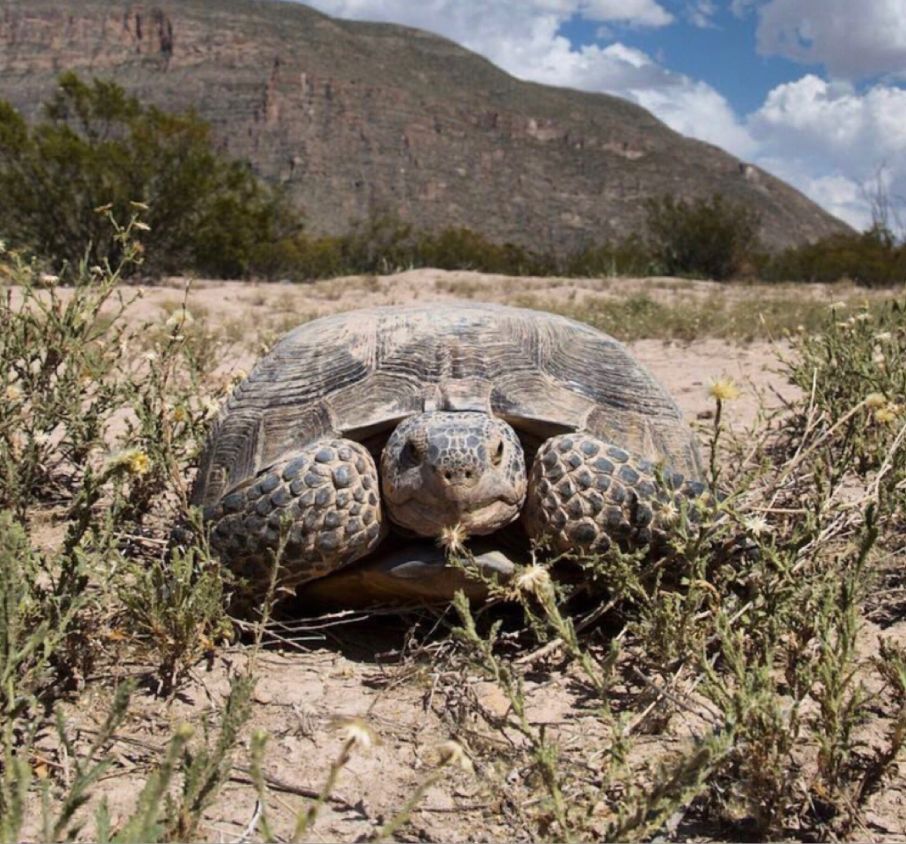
(724,389)
(875,400)
(887,414)
(179,414)
(134,460)
(138,463)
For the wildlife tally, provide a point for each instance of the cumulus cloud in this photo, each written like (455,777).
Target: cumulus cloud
(852,40)
(832,140)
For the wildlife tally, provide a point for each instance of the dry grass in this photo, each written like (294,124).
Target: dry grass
(704,693)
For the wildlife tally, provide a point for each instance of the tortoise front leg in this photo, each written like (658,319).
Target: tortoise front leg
(585,494)
(327,500)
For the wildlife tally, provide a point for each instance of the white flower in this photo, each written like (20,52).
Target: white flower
(756,524)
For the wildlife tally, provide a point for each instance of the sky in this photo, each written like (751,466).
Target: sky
(813,91)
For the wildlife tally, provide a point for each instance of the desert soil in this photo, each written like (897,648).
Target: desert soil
(323,674)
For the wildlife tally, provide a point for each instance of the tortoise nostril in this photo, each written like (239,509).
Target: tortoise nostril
(448,475)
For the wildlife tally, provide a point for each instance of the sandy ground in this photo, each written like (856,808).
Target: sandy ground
(321,675)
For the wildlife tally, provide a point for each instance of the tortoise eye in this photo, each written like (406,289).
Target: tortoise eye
(411,455)
(497,453)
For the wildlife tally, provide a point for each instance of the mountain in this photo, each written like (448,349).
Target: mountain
(357,118)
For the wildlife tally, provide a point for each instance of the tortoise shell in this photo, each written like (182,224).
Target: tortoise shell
(357,374)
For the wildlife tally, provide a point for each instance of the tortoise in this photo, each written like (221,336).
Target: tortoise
(430,420)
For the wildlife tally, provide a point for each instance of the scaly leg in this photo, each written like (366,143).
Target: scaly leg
(327,500)
(585,494)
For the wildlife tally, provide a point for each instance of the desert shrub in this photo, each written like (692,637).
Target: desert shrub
(708,237)
(97,147)
(628,257)
(749,630)
(872,258)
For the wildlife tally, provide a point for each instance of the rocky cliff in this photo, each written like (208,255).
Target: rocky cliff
(356,117)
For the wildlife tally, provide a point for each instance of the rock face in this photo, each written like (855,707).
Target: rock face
(355,118)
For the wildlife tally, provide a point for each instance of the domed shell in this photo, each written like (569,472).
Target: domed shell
(357,374)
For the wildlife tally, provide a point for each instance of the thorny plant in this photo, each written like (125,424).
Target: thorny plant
(750,658)
(761,650)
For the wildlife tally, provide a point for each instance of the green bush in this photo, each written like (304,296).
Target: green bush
(712,237)
(872,258)
(96,148)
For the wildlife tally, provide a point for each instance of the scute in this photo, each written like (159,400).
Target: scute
(354,373)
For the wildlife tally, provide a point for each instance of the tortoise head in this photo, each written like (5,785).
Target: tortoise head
(441,469)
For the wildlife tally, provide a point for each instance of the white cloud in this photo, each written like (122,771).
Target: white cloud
(831,140)
(852,40)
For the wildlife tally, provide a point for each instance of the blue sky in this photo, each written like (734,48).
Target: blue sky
(812,90)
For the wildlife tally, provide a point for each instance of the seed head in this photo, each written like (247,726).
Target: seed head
(357,732)
(534,580)
(453,538)
(179,319)
(453,753)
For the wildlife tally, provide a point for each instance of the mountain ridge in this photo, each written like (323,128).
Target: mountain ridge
(358,118)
